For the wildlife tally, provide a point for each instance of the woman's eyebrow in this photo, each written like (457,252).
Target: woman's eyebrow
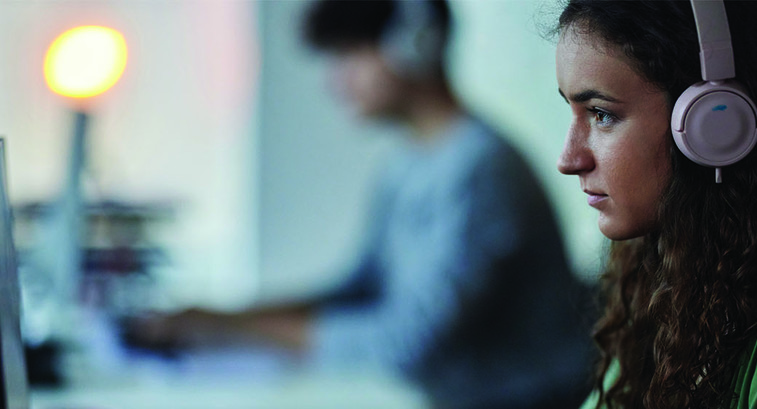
(588,94)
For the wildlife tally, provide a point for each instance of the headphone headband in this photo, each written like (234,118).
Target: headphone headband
(716,51)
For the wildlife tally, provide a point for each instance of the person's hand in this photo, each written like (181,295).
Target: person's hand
(287,326)
(168,332)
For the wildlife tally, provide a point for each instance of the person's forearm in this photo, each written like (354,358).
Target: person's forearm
(286,326)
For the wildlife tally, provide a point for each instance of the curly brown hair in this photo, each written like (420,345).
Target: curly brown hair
(681,301)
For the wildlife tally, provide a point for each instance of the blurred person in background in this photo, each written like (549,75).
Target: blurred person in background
(463,286)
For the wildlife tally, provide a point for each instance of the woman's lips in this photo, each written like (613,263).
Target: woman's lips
(594,198)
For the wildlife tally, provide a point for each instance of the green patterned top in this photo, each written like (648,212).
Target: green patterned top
(744,384)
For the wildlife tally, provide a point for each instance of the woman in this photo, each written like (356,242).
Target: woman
(680,318)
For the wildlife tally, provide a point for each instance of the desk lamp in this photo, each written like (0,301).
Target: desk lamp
(80,64)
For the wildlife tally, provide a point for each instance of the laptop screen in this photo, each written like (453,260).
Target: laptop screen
(15,390)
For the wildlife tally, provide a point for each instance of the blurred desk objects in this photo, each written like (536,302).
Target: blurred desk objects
(120,248)
(93,368)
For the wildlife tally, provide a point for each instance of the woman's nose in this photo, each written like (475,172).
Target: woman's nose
(576,156)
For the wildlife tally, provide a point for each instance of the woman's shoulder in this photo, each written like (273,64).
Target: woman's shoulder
(745,381)
(611,376)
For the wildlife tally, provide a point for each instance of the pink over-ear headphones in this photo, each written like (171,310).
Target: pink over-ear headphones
(714,122)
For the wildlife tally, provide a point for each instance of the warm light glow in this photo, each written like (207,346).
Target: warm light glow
(85,61)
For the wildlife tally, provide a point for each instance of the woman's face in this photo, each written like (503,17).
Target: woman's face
(619,137)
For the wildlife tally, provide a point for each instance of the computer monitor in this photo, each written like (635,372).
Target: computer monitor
(14,387)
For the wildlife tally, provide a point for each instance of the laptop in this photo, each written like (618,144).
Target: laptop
(14,388)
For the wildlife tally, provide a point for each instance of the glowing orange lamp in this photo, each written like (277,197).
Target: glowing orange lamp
(85,61)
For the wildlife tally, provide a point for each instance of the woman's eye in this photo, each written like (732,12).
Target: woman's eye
(602,117)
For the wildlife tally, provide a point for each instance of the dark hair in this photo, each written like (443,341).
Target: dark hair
(681,302)
(333,24)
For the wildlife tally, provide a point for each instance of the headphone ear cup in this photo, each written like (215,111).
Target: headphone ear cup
(714,124)
(413,42)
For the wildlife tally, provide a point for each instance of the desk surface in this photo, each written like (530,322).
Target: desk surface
(216,383)
(297,394)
